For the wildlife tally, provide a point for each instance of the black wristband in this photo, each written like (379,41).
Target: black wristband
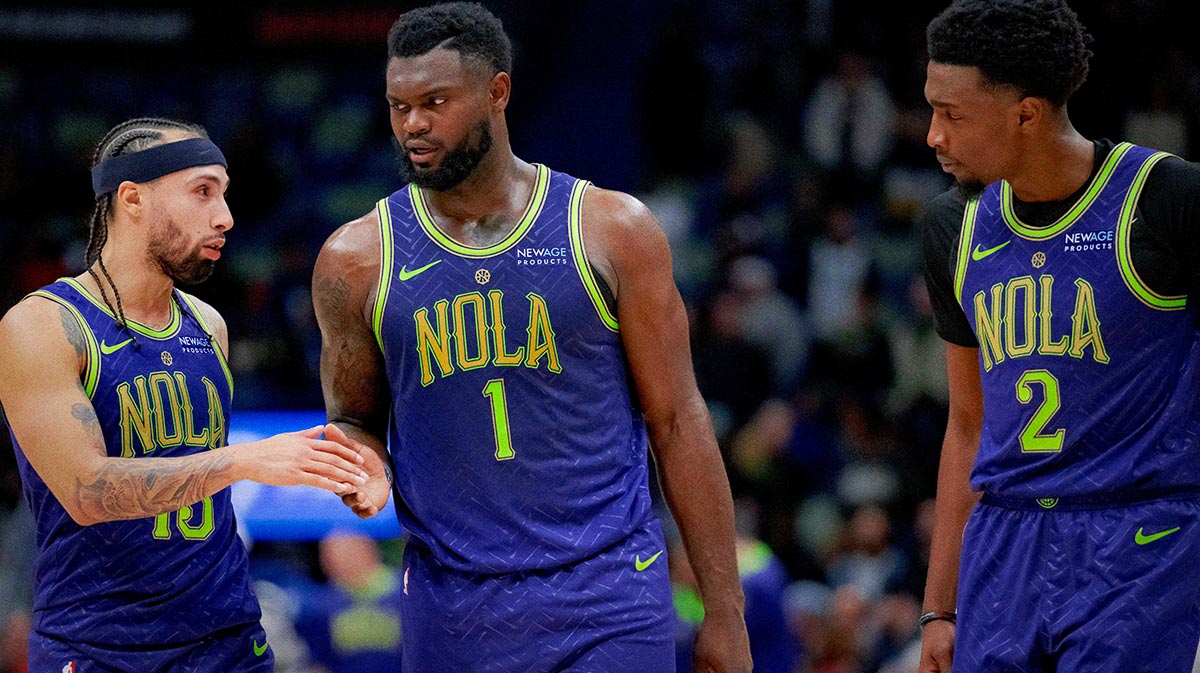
(935,615)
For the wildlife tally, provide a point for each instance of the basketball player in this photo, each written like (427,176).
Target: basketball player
(510,333)
(117,394)
(1064,273)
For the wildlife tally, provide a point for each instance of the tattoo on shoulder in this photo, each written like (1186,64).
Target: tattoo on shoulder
(72,330)
(336,293)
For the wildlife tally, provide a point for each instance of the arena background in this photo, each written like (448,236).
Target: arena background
(790,207)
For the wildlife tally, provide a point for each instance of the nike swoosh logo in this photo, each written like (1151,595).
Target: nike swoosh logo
(109,350)
(1147,539)
(259,649)
(642,565)
(405,274)
(978,253)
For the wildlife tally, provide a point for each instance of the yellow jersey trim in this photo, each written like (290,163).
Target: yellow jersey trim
(1076,211)
(532,210)
(579,255)
(964,248)
(91,367)
(1124,253)
(159,335)
(384,283)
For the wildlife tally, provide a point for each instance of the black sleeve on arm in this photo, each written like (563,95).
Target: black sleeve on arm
(1170,204)
(940,228)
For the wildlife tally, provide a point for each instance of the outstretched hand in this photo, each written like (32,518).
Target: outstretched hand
(300,458)
(369,498)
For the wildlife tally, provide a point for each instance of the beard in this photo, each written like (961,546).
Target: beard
(969,188)
(169,250)
(457,163)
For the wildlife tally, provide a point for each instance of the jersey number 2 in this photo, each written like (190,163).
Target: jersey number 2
(1033,437)
(183,521)
(494,391)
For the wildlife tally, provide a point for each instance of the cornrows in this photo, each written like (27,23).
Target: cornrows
(124,138)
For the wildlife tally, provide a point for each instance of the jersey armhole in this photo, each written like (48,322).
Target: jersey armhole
(964,248)
(1129,274)
(579,256)
(92,364)
(384,282)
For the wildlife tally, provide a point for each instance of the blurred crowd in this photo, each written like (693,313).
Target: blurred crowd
(780,143)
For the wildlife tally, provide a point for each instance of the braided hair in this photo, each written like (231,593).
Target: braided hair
(127,137)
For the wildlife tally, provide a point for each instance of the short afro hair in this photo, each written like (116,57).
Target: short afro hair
(465,27)
(1037,46)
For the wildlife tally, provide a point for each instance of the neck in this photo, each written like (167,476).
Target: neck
(490,192)
(145,289)
(1056,167)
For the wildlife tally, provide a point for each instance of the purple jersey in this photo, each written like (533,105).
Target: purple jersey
(160,581)
(1091,380)
(516,441)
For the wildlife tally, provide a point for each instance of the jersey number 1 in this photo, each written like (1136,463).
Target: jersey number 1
(1033,438)
(494,391)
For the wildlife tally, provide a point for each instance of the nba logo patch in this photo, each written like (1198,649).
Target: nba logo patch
(405,582)
(69,668)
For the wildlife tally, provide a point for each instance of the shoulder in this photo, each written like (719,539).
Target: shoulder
(211,317)
(1170,201)
(945,211)
(622,237)
(619,218)
(356,242)
(347,267)
(353,245)
(941,222)
(1174,179)
(25,327)
(31,312)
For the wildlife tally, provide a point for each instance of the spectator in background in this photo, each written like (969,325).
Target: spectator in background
(764,580)
(843,647)
(744,208)
(352,623)
(771,320)
(869,561)
(850,122)
(807,603)
(895,646)
(918,355)
(839,265)
(17,550)
(733,374)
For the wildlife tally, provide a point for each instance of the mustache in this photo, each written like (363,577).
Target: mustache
(422,143)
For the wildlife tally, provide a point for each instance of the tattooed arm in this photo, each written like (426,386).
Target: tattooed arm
(43,354)
(353,377)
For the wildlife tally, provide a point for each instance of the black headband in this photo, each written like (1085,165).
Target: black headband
(154,163)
